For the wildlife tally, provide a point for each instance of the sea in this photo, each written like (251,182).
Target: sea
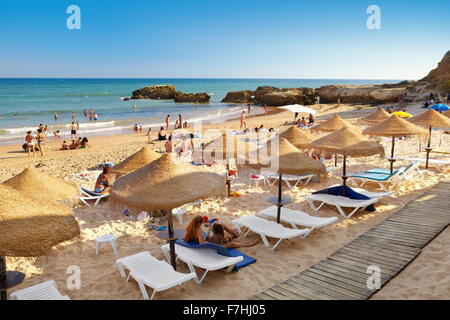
(26,103)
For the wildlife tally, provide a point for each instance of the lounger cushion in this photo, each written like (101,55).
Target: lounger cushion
(350,193)
(228,252)
(91,193)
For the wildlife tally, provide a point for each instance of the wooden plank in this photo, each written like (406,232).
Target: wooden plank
(347,268)
(380,252)
(352,281)
(300,292)
(392,225)
(373,254)
(332,294)
(289,294)
(362,263)
(370,260)
(312,294)
(275,295)
(385,245)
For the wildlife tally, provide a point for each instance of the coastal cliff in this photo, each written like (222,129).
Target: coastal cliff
(168,92)
(439,78)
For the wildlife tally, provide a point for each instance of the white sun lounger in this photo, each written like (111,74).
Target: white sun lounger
(266,228)
(87,195)
(43,291)
(369,193)
(180,211)
(437,162)
(339,202)
(204,258)
(297,218)
(147,270)
(303,179)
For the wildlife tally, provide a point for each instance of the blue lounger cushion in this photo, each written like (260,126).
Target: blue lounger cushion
(227,252)
(381,171)
(92,193)
(372,176)
(350,193)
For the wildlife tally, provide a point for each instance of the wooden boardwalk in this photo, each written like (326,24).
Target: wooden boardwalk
(391,246)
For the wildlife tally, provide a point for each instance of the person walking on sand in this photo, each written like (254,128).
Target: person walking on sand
(249,109)
(167,121)
(73,131)
(243,122)
(265,109)
(40,141)
(30,145)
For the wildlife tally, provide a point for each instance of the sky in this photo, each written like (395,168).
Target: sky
(327,39)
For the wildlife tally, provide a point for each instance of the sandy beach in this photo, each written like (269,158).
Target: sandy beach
(426,278)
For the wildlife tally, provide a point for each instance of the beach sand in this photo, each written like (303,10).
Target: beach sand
(426,277)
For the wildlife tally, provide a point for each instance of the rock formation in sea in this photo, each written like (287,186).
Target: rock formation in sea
(202,97)
(155,92)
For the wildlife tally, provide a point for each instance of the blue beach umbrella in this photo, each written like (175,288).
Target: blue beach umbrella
(440,107)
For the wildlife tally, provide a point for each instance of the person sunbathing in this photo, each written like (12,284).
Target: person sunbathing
(64,146)
(103,184)
(84,143)
(74,144)
(218,235)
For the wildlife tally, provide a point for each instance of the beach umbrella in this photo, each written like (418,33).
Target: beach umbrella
(430,119)
(297,108)
(394,127)
(439,107)
(402,114)
(300,138)
(376,116)
(281,156)
(135,161)
(334,124)
(34,182)
(348,143)
(165,184)
(29,227)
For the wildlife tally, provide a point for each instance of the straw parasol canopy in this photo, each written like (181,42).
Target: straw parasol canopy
(165,184)
(135,161)
(226,147)
(284,158)
(376,117)
(290,159)
(394,127)
(334,124)
(348,143)
(298,137)
(31,181)
(446,113)
(30,227)
(431,118)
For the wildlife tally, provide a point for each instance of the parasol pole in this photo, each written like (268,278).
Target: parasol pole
(228,179)
(3,292)
(428,149)
(391,160)
(280,203)
(344,175)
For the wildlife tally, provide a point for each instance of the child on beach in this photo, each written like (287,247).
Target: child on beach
(30,145)
(56,134)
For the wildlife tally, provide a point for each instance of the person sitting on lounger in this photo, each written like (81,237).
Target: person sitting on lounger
(103,184)
(217,235)
(194,231)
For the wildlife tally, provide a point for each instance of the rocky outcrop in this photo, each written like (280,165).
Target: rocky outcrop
(192,97)
(361,94)
(272,96)
(155,92)
(439,78)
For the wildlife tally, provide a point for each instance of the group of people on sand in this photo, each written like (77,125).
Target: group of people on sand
(187,145)
(80,143)
(179,123)
(303,122)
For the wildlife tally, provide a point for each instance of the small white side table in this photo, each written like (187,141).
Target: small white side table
(105,239)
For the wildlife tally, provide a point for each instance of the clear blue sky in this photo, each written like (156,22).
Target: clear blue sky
(232,38)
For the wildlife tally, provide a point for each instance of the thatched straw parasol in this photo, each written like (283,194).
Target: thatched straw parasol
(446,113)
(298,137)
(135,161)
(165,184)
(29,227)
(334,124)
(394,127)
(376,117)
(348,143)
(31,181)
(284,158)
(431,118)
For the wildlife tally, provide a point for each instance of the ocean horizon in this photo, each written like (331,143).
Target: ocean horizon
(27,102)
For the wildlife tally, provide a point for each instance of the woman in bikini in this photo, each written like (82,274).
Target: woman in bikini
(103,184)
(30,145)
(40,141)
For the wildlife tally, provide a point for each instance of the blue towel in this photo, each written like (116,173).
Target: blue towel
(352,194)
(227,252)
